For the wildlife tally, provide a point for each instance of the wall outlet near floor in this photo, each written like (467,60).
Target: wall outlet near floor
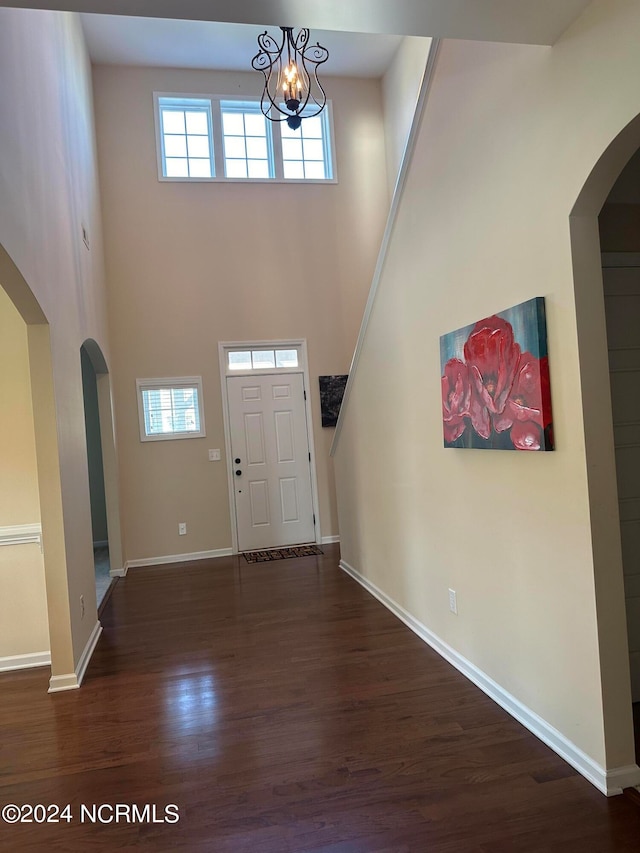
(182,528)
(453,601)
(82,606)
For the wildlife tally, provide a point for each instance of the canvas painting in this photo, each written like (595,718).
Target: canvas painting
(331,394)
(496,392)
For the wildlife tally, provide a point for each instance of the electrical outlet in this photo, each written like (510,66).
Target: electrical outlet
(214,456)
(182,528)
(82,606)
(453,601)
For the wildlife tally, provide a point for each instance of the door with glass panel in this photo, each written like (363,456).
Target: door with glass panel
(271,460)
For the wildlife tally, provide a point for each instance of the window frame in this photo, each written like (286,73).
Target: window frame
(169,383)
(181,102)
(254,370)
(243,106)
(274,143)
(328,160)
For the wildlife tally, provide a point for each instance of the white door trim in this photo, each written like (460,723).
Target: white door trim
(303,368)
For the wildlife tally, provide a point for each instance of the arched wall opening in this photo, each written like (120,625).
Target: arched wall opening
(47,469)
(591,316)
(102,464)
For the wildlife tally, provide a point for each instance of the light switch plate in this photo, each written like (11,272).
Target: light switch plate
(214,456)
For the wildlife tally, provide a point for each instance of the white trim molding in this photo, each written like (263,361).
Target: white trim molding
(25,661)
(73,680)
(173,558)
(609,782)
(21,534)
(330,540)
(118,573)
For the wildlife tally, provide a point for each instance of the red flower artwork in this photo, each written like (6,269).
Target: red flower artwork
(456,398)
(499,396)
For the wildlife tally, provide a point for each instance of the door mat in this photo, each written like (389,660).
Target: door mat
(282,553)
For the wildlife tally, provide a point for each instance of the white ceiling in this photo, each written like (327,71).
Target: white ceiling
(166,42)
(519,21)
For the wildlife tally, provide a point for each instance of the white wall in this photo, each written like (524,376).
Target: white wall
(400,90)
(192,264)
(48,191)
(509,137)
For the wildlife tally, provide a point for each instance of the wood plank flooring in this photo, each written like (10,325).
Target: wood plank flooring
(283,710)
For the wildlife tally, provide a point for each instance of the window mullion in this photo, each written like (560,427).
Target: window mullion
(277,150)
(218,142)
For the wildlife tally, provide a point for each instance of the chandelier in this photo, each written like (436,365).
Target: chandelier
(290,69)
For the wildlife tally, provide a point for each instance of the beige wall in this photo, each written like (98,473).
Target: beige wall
(24,627)
(400,90)
(189,265)
(19,499)
(48,191)
(509,137)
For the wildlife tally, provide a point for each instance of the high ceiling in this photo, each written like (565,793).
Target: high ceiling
(166,42)
(521,21)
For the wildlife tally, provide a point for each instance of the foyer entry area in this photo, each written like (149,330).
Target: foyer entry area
(282,708)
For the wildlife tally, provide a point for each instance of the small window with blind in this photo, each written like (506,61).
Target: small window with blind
(170,408)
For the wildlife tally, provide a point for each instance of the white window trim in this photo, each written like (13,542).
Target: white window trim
(303,367)
(157,96)
(218,144)
(170,382)
(267,347)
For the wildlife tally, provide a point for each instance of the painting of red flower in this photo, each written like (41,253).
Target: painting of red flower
(496,392)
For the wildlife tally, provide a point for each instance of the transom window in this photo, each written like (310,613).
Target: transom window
(170,408)
(304,151)
(208,138)
(247,141)
(262,359)
(186,139)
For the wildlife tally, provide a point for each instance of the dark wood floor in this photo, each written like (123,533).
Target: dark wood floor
(282,709)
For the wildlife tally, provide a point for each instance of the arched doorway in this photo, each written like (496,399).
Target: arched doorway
(619,225)
(47,474)
(600,413)
(101,461)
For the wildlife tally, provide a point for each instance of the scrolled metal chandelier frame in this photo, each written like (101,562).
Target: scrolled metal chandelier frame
(290,71)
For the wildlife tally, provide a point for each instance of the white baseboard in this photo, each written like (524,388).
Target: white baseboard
(118,573)
(176,558)
(58,683)
(329,540)
(25,661)
(73,680)
(610,782)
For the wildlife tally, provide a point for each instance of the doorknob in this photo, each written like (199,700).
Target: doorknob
(238,472)
(237,461)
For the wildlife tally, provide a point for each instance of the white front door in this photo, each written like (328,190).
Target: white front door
(271,465)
